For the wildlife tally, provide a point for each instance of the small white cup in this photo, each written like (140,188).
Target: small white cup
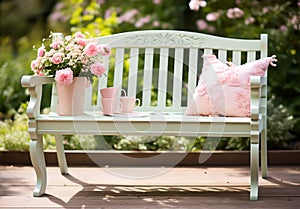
(128,104)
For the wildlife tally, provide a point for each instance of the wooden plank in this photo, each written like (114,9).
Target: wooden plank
(100,187)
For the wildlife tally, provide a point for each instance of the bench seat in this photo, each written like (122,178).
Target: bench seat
(171,124)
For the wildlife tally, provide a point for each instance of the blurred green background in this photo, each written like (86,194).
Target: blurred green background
(24,24)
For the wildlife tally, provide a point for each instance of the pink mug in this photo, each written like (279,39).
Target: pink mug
(109,92)
(128,104)
(109,106)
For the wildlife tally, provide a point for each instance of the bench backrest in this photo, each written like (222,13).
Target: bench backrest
(162,67)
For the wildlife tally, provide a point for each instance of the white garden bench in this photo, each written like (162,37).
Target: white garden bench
(177,53)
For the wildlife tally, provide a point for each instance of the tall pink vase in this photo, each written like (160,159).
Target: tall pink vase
(71,98)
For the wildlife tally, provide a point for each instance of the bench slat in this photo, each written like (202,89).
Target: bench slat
(251,56)
(118,74)
(222,55)
(148,70)
(236,57)
(133,72)
(192,73)
(177,77)
(208,51)
(163,77)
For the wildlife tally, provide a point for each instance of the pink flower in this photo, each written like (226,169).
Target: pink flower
(100,1)
(196,4)
(156,23)
(55,45)
(234,13)
(142,21)
(79,35)
(128,16)
(201,24)
(39,73)
(213,16)
(249,20)
(295,22)
(265,10)
(91,49)
(81,41)
(211,29)
(64,76)
(68,38)
(283,28)
(41,51)
(57,58)
(104,50)
(98,69)
(34,64)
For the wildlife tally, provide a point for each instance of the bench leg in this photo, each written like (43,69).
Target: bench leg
(61,157)
(254,164)
(38,161)
(264,158)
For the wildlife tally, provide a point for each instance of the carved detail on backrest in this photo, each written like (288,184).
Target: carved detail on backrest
(165,40)
(155,39)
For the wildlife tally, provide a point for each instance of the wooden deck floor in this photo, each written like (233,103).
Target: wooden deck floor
(180,187)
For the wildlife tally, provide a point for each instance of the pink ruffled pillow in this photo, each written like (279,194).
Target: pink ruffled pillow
(224,90)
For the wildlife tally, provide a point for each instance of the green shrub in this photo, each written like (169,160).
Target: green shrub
(153,143)
(280,123)
(14,133)
(12,94)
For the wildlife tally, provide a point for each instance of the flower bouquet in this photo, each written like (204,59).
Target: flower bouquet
(70,61)
(73,56)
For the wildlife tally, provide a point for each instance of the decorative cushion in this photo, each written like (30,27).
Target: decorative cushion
(224,90)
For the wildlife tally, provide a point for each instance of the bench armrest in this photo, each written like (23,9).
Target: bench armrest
(34,85)
(256,83)
(32,81)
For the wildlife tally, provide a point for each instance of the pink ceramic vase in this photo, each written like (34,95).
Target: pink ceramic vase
(71,97)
